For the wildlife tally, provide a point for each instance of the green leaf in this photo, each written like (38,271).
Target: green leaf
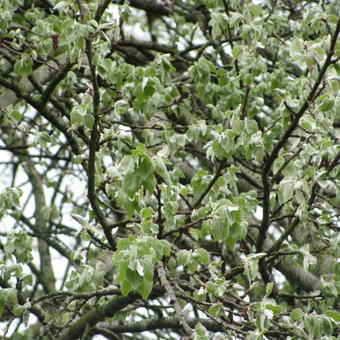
(308,122)
(43,139)
(150,183)
(21,244)
(211,288)
(335,315)
(162,248)
(15,114)
(121,107)
(216,310)
(147,213)
(145,288)
(297,314)
(145,166)
(251,268)
(125,243)
(287,189)
(237,51)
(218,23)
(125,287)
(326,105)
(132,275)
(201,332)
(9,296)
(203,255)
(256,10)
(183,257)
(274,308)
(148,87)
(28,279)
(89,121)
(238,231)
(23,67)
(131,184)
(192,266)
(326,326)
(162,170)
(166,247)
(269,288)
(148,266)
(77,117)
(220,229)
(18,310)
(122,267)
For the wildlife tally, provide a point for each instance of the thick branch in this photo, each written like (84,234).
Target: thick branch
(159,323)
(152,7)
(41,226)
(59,76)
(42,75)
(95,315)
(296,275)
(40,209)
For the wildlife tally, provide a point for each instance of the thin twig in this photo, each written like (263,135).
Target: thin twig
(274,154)
(172,295)
(211,184)
(95,135)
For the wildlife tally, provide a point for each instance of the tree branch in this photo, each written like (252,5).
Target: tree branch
(49,116)
(158,323)
(274,154)
(95,135)
(173,298)
(99,313)
(218,173)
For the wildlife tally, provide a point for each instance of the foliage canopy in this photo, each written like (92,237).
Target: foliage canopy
(169,169)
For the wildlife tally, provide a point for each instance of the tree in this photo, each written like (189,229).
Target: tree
(169,169)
